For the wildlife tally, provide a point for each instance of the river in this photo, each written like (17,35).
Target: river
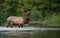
(30,32)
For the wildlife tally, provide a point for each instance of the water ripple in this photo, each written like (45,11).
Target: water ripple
(27,28)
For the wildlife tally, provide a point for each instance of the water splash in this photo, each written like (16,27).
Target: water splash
(27,28)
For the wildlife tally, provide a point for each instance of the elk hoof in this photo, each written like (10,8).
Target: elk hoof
(21,26)
(7,26)
(11,26)
(18,26)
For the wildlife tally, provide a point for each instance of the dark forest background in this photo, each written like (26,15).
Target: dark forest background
(42,10)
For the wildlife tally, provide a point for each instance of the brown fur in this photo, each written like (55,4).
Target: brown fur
(18,20)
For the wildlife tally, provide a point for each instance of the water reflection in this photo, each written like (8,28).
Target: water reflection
(27,28)
(31,33)
(17,34)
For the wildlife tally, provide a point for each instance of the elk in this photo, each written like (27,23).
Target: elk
(20,21)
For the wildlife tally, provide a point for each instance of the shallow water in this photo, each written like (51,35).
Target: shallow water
(29,32)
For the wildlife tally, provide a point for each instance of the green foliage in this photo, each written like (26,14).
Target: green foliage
(55,19)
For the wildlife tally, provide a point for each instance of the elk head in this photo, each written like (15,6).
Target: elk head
(27,18)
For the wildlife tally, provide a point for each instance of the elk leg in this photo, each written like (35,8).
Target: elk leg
(8,24)
(11,24)
(21,26)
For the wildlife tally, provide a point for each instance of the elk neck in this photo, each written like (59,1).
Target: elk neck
(27,18)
